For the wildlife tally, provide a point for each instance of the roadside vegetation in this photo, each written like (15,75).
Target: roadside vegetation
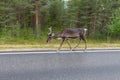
(25,23)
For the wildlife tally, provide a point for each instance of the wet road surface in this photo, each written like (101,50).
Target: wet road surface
(65,65)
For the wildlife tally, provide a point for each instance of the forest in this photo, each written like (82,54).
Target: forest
(30,19)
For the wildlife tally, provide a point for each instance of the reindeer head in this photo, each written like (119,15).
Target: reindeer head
(50,35)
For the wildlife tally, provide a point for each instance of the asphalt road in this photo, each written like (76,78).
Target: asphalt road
(65,65)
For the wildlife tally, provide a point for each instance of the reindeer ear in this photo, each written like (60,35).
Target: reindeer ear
(48,33)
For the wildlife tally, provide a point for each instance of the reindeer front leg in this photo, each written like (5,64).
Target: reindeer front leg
(63,39)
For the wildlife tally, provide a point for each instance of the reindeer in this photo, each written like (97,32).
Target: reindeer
(69,33)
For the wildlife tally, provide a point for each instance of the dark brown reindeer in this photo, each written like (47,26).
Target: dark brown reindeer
(69,33)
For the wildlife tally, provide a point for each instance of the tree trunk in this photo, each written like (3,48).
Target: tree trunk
(36,19)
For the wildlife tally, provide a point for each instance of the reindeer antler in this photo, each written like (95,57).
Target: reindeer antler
(50,29)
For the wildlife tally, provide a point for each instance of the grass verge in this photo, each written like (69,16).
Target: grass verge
(55,45)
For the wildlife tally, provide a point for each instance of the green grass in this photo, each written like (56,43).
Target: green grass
(54,44)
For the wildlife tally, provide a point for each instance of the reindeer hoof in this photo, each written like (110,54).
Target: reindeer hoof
(84,50)
(58,51)
(72,49)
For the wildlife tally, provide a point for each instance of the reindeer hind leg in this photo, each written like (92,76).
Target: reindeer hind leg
(77,44)
(84,39)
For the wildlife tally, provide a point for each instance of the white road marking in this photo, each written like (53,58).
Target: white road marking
(56,52)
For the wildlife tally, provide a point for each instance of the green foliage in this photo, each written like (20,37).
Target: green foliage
(18,17)
(114,25)
(92,14)
(55,13)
